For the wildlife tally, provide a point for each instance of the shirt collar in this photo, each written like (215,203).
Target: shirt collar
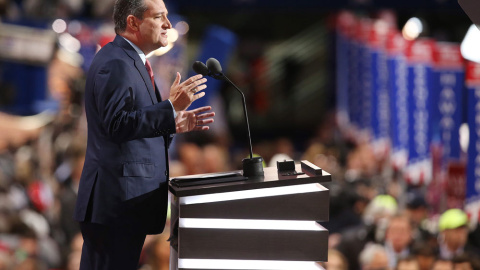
(140,53)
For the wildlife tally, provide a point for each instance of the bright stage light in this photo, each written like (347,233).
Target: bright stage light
(70,43)
(470,44)
(172,38)
(182,28)
(464,136)
(172,34)
(412,29)
(161,50)
(59,26)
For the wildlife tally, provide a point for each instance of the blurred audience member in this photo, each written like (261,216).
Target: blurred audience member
(416,207)
(398,238)
(378,212)
(5,256)
(453,234)
(30,264)
(346,207)
(474,236)
(373,257)
(215,158)
(466,262)
(68,192)
(442,264)
(190,156)
(407,263)
(157,253)
(425,255)
(323,157)
(336,261)
(198,159)
(361,162)
(417,211)
(381,207)
(73,261)
(375,217)
(285,146)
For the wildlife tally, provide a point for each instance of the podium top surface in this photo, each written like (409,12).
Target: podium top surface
(472,9)
(270,179)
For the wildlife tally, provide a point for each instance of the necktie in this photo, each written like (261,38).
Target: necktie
(150,72)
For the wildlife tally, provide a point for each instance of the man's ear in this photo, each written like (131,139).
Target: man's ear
(132,23)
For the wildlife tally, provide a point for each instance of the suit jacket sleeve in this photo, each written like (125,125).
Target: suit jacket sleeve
(117,94)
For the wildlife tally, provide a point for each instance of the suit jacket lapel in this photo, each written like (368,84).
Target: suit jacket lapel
(130,51)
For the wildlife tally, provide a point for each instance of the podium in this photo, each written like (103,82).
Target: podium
(231,222)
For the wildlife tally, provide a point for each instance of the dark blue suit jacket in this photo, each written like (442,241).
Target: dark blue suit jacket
(124,179)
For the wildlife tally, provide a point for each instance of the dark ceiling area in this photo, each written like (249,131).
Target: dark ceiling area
(280,19)
(317,5)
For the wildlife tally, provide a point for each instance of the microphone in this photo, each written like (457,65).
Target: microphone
(252,166)
(200,68)
(215,71)
(214,66)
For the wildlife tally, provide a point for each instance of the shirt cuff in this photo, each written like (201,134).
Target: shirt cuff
(174,112)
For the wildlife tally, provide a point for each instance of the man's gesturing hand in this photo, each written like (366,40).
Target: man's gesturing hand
(183,94)
(194,120)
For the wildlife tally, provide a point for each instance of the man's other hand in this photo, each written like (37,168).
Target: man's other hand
(194,120)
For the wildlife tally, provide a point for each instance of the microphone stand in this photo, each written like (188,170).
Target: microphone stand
(252,166)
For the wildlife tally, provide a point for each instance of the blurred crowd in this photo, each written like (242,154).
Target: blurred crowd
(41,9)
(376,220)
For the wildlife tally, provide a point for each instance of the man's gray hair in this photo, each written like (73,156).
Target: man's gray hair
(124,8)
(369,252)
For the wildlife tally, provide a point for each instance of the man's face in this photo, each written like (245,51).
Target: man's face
(417,215)
(153,27)
(335,263)
(379,262)
(442,265)
(456,238)
(408,265)
(463,266)
(425,262)
(399,233)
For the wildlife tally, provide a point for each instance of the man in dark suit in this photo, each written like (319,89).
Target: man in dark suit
(122,195)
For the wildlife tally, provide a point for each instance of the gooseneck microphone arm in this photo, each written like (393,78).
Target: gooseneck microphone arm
(244,112)
(252,167)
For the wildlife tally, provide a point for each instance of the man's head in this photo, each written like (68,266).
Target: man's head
(425,254)
(442,265)
(380,208)
(336,260)
(124,8)
(399,233)
(465,262)
(373,257)
(143,22)
(453,228)
(416,207)
(408,263)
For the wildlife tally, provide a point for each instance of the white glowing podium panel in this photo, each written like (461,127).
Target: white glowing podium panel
(267,222)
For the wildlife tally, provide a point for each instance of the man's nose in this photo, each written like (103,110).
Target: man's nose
(168,24)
